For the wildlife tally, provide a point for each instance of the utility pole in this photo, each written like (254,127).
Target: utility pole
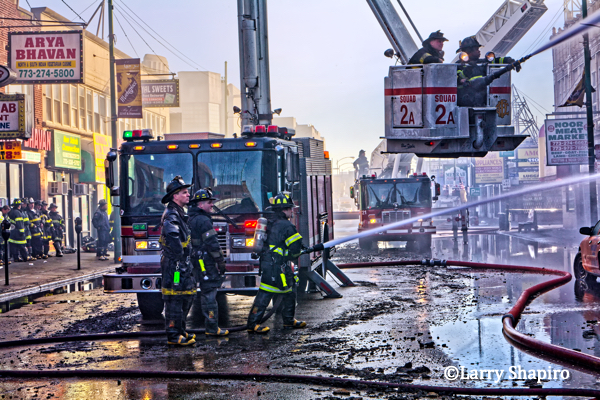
(113,128)
(590,119)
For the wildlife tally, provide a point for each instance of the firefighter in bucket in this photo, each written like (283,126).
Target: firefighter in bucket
(283,244)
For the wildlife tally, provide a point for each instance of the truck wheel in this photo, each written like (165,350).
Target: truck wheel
(367,244)
(150,304)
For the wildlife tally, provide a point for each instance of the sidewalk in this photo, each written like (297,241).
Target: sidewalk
(53,273)
(554,235)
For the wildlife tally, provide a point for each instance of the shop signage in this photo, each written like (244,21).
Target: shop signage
(10,150)
(566,141)
(129,88)
(101,148)
(46,57)
(12,116)
(66,152)
(160,93)
(489,169)
(475,191)
(528,157)
(31,156)
(41,139)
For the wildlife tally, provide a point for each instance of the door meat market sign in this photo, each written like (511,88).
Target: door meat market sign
(46,57)
(566,141)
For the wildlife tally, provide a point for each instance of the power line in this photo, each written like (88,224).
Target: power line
(81,12)
(144,40)
(73,10)
(133,12)
(125,33)
(162,44)
(544,31)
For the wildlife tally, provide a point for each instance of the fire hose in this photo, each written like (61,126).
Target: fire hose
(509,321)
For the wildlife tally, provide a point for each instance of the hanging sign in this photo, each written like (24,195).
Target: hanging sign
(46,57)
(12,116)
(566,141)
(129,88)
(160,93)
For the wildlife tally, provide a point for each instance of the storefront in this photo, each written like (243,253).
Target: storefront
(20,178)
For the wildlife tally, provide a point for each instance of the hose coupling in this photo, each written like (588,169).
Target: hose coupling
(434,262)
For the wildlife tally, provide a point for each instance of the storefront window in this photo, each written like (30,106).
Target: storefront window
(15,181)
(103,116)
(3,188)
(90,121)
(82,108)
(96,114)
(74,117)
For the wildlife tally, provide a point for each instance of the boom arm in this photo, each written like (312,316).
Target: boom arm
(394,29)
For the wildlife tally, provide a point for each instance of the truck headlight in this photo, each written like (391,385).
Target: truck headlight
(239,242)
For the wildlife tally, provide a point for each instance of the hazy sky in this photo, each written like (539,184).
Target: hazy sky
(327,63)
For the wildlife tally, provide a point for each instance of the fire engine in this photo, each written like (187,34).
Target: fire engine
(244,174)
(385,201)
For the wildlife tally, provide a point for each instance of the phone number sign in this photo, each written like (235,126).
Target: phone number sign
(46,57)
(10,151)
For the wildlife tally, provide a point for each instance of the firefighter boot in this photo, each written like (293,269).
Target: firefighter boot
(295,325)
(174,337)
(58,247)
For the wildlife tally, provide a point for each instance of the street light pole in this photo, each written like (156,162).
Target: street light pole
(337,163)
(590,118)
(113,127)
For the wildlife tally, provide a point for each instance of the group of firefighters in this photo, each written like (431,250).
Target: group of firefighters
(192,256)
(33,225)
(472,71)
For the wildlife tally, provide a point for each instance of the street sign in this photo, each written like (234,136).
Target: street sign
(566,141)
(7,76)
(505,183)
(507,153)
(475,191)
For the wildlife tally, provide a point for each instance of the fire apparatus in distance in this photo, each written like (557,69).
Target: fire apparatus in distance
(244,173)
(385,201)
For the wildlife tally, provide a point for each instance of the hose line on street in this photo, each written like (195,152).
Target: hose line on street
(509,321)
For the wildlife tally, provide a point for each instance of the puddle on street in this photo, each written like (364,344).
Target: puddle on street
(17,303)
(566,316)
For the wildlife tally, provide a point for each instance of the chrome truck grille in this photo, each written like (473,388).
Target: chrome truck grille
(389,217)
(222,235)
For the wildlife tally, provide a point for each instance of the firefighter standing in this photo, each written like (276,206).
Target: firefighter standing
(178,283)
(24,205)
(46,229)
(58,226)
(472,74)
(207,259)
(361,164)
(431,52)
(283,244)
(100,222)
(18,238)
(35,227)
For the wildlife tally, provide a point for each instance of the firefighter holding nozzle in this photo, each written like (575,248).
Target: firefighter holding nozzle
(207,258)
(178,283)
(283,244)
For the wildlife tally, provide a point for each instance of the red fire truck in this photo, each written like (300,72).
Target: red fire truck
(244,174)
(386,201)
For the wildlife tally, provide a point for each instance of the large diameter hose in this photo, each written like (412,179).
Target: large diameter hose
(509,320)
(304,379)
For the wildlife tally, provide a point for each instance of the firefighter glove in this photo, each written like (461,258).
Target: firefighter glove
(222,267)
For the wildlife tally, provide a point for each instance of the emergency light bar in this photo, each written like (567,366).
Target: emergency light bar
(140,134)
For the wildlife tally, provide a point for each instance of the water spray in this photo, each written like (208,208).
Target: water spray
(410,221)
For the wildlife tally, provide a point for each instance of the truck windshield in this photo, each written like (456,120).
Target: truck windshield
(148,176)
(397,194)
(243,181)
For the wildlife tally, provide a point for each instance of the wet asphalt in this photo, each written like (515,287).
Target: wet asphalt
(400,324)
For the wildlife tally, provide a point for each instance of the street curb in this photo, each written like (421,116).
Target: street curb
(52,285)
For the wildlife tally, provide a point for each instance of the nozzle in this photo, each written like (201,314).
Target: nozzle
(316,247)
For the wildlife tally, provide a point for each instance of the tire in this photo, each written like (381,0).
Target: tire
(367,244)
(579,272)
(150,304)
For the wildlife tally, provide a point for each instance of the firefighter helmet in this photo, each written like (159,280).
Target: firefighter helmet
(31,200)
(282,200)
(102,202)
(52,205)
(468,43)
(17,202)
(176,185)
(435,35)
(205,194)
